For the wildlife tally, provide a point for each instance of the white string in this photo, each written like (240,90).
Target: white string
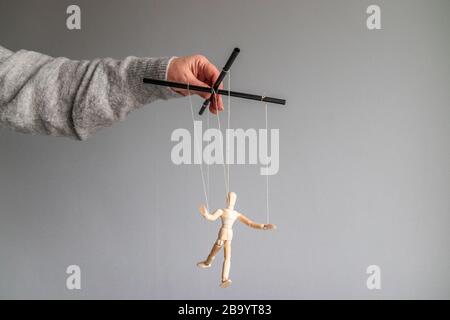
(198,149)
(267,176)
(228,126)
(218,124)
(226,168)
(207,166)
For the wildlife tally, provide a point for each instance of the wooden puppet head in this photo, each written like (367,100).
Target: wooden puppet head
(231,200)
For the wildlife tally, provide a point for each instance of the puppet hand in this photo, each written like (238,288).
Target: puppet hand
(203,210)
(195,70)
(269,226)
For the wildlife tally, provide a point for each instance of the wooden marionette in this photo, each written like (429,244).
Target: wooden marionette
(228,216)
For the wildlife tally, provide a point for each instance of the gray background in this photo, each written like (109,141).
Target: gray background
(364,159)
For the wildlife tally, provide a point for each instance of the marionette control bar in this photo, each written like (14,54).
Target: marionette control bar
(215,88)
(236,94)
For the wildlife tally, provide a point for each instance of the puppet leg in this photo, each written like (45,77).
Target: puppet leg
(226,264)
(215,249)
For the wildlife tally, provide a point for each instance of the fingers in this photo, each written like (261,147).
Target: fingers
(216,100)
(196,82)
(209,74)
(216,104)
(196,70)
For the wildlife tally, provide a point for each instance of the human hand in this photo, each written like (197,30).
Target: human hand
(269,226)
(195,70)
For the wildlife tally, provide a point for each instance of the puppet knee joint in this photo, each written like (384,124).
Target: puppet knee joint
(219,243)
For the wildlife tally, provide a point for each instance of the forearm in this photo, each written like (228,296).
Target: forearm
(211,217)
(255,225)
(61,97)
(251,223)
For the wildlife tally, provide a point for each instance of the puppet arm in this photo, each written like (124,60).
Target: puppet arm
(255,225)
(211,217)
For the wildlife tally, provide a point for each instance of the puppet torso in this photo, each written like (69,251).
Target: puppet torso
(228,218)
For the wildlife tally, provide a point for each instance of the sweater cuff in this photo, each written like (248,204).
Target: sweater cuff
(156,68)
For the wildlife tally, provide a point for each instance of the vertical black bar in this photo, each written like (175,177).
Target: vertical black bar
(220,78)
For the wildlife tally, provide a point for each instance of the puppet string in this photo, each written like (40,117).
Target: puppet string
(218,124)
(228,127)
(198,149)
(267,176)
(207,167)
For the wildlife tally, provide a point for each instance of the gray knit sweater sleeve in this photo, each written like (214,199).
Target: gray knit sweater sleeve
(61,97)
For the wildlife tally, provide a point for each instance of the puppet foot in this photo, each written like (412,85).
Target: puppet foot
(225,283)
(203,265)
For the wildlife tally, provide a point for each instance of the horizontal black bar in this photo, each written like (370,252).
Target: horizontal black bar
(211,90)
